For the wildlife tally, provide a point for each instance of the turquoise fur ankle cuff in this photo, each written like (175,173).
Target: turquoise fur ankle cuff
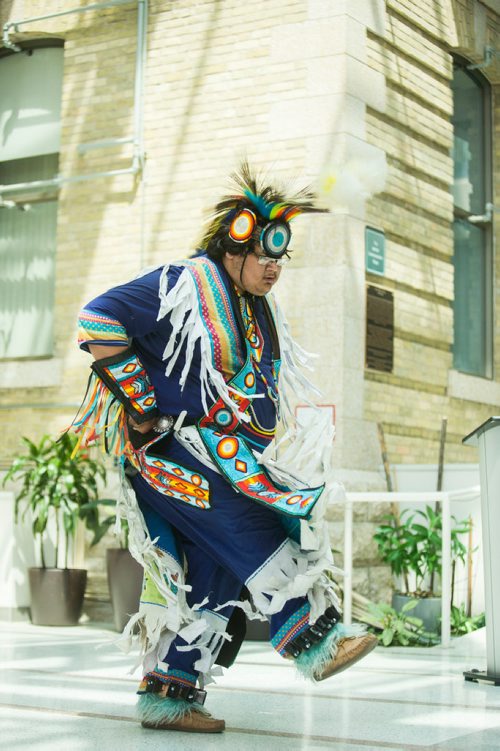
(310,663)
(156,710)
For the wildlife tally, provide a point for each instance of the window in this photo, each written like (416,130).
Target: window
(30,106)
(472,348)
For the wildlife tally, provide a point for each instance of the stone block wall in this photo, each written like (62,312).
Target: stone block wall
(415,55)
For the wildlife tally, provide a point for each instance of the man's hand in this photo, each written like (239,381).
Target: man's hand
(143,427)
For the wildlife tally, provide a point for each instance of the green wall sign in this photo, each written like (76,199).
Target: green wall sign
(374,251)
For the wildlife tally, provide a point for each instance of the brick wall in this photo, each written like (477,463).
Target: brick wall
(209,82)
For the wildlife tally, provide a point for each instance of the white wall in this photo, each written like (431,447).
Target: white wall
(17,554)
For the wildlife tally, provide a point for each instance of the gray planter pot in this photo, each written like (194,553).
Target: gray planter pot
(125,585)
(257,630)
(56,595)
(428,609)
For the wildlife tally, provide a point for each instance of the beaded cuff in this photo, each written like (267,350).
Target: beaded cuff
(172,690)
(313,634)
(125,377)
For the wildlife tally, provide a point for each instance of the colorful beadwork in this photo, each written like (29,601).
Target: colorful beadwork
(242,226)
(275,238)
(239,465)
(167,676)
(256,343)
(118,386)
(217,316)
(173,480)
(133,382)
(253,333)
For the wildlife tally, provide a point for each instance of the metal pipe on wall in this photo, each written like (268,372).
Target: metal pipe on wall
(138,156)
(83,9)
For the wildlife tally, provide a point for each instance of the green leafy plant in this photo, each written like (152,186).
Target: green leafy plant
(391,627)
(58,488)
(398,629)
(100,528)
(461,623)
(411,544)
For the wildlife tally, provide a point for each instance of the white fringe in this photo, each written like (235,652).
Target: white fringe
(208,643)
(291,572)
(182,305)
(157,624)
(301,458)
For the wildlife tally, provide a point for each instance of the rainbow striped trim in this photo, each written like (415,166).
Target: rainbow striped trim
(218,317)
(168,676)
(297,623)
(96,328)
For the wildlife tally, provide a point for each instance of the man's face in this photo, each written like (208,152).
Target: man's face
(249,275)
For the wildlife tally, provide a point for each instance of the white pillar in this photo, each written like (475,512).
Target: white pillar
(348,513)
(487,438)
(446,572)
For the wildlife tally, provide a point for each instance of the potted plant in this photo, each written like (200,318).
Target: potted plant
(125,578)
(125,575)
(411,545)
(59,486)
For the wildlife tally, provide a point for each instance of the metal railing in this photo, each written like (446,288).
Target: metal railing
(445,498)
(137,139)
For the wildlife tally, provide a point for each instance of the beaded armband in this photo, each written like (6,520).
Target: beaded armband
(118,386)
(125,377)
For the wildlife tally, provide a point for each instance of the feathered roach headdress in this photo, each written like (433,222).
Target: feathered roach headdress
(255,211)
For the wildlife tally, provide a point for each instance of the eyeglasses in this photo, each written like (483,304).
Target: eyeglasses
(266,260)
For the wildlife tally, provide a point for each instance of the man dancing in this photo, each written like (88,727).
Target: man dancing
(193,362)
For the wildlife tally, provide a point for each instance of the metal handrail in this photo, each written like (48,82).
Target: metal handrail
(445,498)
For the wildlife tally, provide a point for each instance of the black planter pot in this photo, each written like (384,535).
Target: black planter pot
(56,595)
(125,585)
(427,608)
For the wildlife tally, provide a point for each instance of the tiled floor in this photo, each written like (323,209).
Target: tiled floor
(69,690)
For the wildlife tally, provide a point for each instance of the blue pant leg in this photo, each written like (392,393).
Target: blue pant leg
(239,535)
(216,585)
(236,532)
(208,580)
